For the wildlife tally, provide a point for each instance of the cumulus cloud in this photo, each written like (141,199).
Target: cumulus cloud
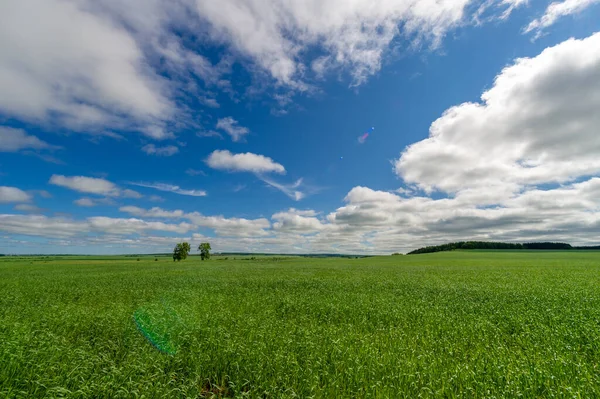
(152,213)
(557,10)
(232,128)
(34,225)
(228,227)
(166,151)
(297,221)
(246,162)
(257,164)
(231,227)
(536,125)
(62,62)
(171,189)
(13,194)
(369,222)
(14,140)
(82,184)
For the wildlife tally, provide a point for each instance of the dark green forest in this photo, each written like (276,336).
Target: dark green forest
(465,245)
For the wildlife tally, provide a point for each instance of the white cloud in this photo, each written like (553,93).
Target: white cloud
(209,102)
(232,128)
(209,133)
(151,213)
(537,124)
(127,193)
(297,221)
(276,34)
(29,208)
(557,10)
(291,190)
(171,188)
(82,184)
(134,226)
(166,151)
(231,227)
(62,62)
(13,194)
(511,5)
(247,162)
(156,198)
(85,201)
(92,185)
(53,227)
(228,227)
(13,140)
(195,172)
(257,164)
(42,193)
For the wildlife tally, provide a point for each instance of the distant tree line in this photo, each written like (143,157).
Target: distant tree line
(494,245)
(590,248)
(547,245)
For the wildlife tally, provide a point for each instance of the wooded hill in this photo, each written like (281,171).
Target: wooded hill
(463,245)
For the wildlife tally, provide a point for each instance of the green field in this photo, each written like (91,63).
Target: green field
(452,324)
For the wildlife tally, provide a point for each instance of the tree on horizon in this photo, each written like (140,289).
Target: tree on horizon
(181,251)
(204,249)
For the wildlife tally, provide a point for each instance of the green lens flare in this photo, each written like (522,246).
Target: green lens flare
(158,324)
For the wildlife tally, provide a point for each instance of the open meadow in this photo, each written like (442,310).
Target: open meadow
(453,324)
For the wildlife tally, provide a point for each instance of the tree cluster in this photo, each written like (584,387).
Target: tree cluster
(182,250)
(490,245)
(547,245)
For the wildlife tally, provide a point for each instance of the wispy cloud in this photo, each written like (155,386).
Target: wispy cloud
(45,157)
(170,188)
(167,151)
(291,190)
(557,10)
(195,172)
(209,133)
(14,140)
(232,128)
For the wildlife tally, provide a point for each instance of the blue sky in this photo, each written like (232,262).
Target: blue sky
(125,128)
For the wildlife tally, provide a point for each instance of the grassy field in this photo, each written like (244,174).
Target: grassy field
(454,324)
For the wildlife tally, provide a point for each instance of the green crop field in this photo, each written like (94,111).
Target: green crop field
(452,324)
